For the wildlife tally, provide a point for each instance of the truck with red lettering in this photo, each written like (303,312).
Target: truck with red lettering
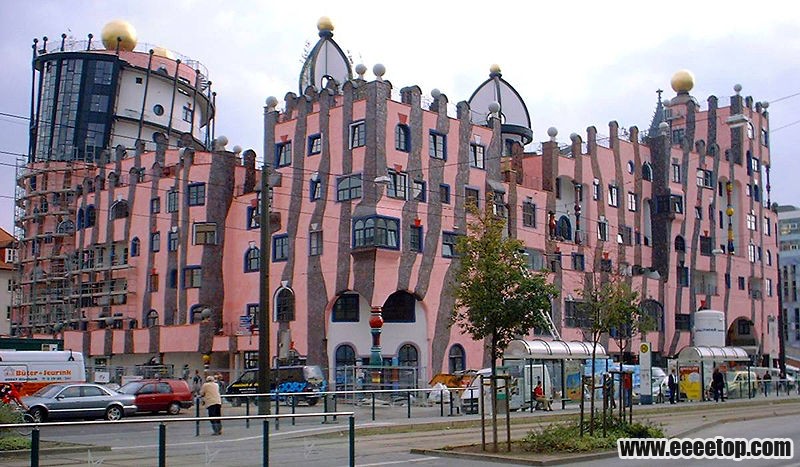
(35,369)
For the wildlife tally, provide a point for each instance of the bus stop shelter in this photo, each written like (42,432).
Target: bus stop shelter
(526,354)
(704,359)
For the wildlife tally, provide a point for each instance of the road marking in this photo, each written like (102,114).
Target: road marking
(423,459)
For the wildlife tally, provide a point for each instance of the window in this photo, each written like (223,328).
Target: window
(158,109)
(578,262)
(596,191)
(376,231)
(680,243)
(402,138)
(764,137)
(419,191)
(706,246)
(755,165)
(529,214)
(437,145)
(345,356)
(136,246)
(172,241)
(449,244)
(284,306)
(698,212)
(654,311)
(153,282)
(676,173)
(314,144)
(769,287)
(631,167)
(398,185)
(315,188)
(683,275)
(358,134)
(613,196)
(172,201)
(741,283)
(476,156)
(192,277)
(283,154)
(407,356)
(564,228)
(173,278)
(91,216)
(633,202)
(677,136)
(400,308)
(152,319)
(348,187)
(769,258)
(155,205)
(682,322)
(457,358)
(751,220)
(444,193)
(346,309)
(415,238)
(767,227)
(602,231)
(558,188)
(315,243)
(205,233)
(252,259)
(751,253)
(252,310)
(647,172)
(197,194)
(155,242)
(280,248)
(187,113)
(705,178)
(625,235)
(472,196)
(574,313)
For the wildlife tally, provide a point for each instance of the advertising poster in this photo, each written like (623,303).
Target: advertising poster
(572,370)
(690,383)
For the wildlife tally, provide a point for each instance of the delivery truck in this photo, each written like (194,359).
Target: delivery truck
(35,369)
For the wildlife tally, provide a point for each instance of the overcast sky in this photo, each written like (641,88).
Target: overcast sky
(575,64)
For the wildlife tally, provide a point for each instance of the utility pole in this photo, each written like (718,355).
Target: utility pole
(264,363)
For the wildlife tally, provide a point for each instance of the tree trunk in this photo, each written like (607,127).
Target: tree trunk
(591,400)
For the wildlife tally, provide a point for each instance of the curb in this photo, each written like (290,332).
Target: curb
(19,453)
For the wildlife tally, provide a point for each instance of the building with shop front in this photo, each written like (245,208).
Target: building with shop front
(369,186)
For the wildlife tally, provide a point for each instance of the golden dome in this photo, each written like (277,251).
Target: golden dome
(682,81)
(162,52)
(325,24)
(122,29)
(495,68)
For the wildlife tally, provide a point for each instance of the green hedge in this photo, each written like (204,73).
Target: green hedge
(565,437)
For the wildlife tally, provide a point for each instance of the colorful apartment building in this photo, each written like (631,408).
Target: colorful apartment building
(368,193)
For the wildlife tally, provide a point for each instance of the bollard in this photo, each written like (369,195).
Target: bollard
(325,408)
(162,445)
(441,403)
(265,442)
(197,415)
(35,447)
(277,410)
(450,394)
(294,405)
(373,406)
(408,403)
(352,423)
(247,412)
(335,407)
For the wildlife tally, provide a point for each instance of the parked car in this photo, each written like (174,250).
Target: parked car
(737,382)
(160,395)
(78,400)
(284,380)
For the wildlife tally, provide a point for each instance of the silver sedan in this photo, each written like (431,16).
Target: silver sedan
(78,400)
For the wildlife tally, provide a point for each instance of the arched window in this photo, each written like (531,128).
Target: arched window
(457,358)
(284,306)
(118,210)
(400,308)
(66,227)
(91,216)
(680,243)
(196,313)
(408,356)
(252,259)
(653,312)
(345,356)
(402,138)
(647,172)
(113,180)
(564,228)
(136,246)
(151,319)
(80,219)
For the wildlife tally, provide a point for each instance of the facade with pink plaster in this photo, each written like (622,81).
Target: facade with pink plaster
(369,188)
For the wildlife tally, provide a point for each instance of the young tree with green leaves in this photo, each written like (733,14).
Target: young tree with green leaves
(498,298)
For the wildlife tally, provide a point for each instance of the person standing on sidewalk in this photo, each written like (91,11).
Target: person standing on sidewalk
(672,385)
(717,385)
(213,402)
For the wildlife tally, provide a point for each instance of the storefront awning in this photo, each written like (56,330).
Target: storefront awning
(719,354)
(550,350)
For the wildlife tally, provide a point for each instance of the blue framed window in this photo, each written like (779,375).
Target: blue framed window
(477,158)
(449,240)
(155,205)
(315,243)
(196,196)
(280,248)
(136,246)
(419,190)
(529,214)
(192,277)
(348,187)
(172,241)
(415,239)
(91,216)
(284,306)
(472,196)
(444,193)
(358,134)
(172,201)
(314,144)
(378,231)
(283,154)
(398,185)
(155,242)
(251,310)
(205,233)
(437,145)
(400,307)
(252,259)
(346,309)
(315,188)
(79,219)
(402,138)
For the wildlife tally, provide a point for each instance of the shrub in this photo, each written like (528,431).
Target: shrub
(565,437)
(12,443)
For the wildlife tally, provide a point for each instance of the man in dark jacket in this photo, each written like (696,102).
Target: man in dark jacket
(672,385)
(718,384)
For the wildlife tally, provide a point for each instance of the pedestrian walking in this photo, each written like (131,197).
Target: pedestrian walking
(213,402)
(672,385)
(197,382)
(717,385)
(767,382)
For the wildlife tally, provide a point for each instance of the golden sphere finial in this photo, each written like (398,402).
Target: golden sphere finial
(122,29)
(495,68)
(325,24)
(682,81)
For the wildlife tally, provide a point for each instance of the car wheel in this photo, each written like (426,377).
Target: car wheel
(312,401)
(38,415)
(114,413)
(174,408)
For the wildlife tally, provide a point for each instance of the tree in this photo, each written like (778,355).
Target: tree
(497,297)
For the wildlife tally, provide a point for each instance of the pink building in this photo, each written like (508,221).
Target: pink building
(369,188)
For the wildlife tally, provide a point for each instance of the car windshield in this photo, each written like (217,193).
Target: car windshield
(658,372)
(130,388)
(49,391)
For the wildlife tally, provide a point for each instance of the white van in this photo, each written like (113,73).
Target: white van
(36,369)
